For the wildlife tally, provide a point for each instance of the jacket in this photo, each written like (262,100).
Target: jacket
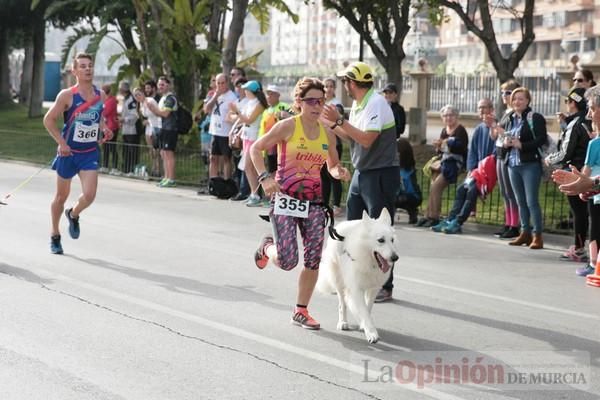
(531,140)
(573,143)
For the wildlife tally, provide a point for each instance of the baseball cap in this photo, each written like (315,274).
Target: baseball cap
(357,71)
(390,87)
(273,88)
(576,94)
(252,86)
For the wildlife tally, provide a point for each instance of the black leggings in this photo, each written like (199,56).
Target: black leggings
(594,210)
(579,209)
(329,184)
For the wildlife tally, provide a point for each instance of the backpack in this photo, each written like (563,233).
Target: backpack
(184,120)
(547,148)
(222,188)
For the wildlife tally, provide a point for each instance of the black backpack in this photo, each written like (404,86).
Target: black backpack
(222,188)
(184,120)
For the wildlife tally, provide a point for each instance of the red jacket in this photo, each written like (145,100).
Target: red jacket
(485,176)
(110,114)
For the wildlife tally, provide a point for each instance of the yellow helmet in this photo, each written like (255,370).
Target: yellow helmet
(357,71)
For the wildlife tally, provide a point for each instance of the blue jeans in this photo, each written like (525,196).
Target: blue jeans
(371,191)
(525,180)
(464,203)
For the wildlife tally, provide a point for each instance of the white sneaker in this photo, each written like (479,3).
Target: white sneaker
(103,170)
(253,201)
(115,172)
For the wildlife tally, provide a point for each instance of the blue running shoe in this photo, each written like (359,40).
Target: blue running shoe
(55,246)
(439,227)
(585,271)
(452,227)
(73,224)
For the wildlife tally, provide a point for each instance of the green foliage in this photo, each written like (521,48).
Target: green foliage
(260,9)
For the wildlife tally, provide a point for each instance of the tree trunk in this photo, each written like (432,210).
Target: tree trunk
(37,81)
(129,42)
(27,72)
(4,74)
(236,28)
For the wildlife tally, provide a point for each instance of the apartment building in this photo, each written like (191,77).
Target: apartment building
(563,28)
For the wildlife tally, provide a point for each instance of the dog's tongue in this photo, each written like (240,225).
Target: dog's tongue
(382,263)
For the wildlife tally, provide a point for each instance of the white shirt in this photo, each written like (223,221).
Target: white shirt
(251,130)
(218,123)
(154,121)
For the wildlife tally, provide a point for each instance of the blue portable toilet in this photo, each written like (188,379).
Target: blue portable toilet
(52,78)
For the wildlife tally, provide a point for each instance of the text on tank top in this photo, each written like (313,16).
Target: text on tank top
(299,164)
(82,122)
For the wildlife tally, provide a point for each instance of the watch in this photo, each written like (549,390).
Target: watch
(338,122)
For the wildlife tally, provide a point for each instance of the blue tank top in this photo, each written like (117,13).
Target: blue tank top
(81,130)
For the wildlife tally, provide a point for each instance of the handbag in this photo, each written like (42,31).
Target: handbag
(235,136)
(433,166)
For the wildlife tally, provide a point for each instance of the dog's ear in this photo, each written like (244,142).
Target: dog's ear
(365,216)
(385,217)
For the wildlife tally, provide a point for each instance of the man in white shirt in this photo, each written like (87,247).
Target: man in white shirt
(218,106)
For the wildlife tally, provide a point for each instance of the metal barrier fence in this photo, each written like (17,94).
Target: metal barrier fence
(465,91)
(142,162)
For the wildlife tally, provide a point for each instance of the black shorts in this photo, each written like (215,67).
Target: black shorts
(219,146)
(167,140)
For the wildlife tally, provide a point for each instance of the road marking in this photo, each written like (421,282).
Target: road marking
(502,298)
(300,351)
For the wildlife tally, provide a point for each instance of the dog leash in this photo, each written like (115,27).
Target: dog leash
(20,185)
(329,220)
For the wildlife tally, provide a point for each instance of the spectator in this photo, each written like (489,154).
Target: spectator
(409,195)
(235,74)
(572,149)
(522,142)
(587,182)
(510,229)
(482,145)
(304,144)
(390,91)
(217,107)
(584,78)
(111,120)
(277,111)
(128,119)
(236,129)
(250,116)
(151,90)
(153,124)
(328,183)
(452,146)
(167,138)
(372,134)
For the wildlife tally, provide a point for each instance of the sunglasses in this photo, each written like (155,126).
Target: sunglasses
(579,80)
(506,93)
(313,101)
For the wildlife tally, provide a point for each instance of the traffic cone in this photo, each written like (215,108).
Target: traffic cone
(594,279)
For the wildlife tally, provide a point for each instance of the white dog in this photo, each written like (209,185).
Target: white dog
(356,267)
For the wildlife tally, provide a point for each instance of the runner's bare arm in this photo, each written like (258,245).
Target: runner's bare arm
(334,164)
(62,104)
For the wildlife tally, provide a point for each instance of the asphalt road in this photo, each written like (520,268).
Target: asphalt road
(160,299)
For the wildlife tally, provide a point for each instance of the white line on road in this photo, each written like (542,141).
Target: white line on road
(502,298)
(249,335)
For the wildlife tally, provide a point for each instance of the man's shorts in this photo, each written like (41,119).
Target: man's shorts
(219,146)
(167,140)
(68,167)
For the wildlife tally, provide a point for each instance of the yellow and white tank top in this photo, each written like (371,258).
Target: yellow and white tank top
(299,164)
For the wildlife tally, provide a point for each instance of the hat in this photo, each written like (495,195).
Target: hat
(273,88)
(390,87)
(252,86)
(357,71)
(576,94)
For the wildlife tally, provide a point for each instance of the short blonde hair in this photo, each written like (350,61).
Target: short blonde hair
(523,90)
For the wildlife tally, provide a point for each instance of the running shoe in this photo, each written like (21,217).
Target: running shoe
(253,201)
(302,318)
(168,183)
(573,254)
(439,227)
(73,224)
(502,231)
(162,181)
(383,295)
(511,233)
(585,271)
(452,227)
(55,246)
(260,256)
